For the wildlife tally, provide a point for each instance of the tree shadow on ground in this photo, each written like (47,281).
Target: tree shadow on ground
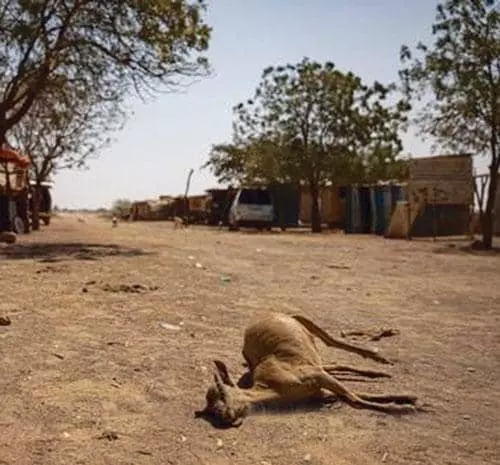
(57,251)
(475,248)
(290,232)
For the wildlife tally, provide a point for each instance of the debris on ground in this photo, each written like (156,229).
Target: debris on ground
(52,269)
(115,343)
(339,267)
(225,279)
(5,321)
(372,335)
(170,326)
(110,435)
(129,288)
(199,265)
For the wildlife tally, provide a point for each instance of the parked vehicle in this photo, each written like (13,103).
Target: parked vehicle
(253,208)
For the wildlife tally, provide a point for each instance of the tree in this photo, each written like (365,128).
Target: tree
(461,71)
(383,164)
(63,130)
(228,163)
(121,208)
(111,49)
(310,122)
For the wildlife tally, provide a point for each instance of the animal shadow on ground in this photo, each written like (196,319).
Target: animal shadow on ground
(57,251)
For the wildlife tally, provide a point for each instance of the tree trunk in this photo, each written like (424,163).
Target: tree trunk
(35,207)
(315,213)
(3,138)
(487,223)
(23,210)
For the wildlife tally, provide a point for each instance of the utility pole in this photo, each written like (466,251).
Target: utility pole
(186,203)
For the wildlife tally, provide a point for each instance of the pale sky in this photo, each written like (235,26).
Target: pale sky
(163,140)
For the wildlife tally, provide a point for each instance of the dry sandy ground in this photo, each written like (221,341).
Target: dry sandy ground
(93,378)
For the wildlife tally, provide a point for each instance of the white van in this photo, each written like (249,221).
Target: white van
(251,207)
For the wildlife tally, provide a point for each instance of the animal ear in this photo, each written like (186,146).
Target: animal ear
(223,373)
(221,387)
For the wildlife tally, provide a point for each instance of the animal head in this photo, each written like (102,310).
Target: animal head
(225,403)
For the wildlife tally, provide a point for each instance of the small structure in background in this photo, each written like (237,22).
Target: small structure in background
(13,191)
(370,207)
(45,207)
(218,204)
(140,210)
(435,200)
(438,200)
(197,209)
(332,206)
(152,210)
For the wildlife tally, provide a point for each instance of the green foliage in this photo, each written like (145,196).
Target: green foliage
(109,49)
(227,161)
(381,164)
(311,122)
(461,72)
(121,208)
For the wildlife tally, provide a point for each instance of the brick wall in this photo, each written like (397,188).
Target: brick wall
(443,180)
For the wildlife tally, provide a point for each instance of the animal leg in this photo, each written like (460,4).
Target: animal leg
(336,370)
(373,402)
(331,341)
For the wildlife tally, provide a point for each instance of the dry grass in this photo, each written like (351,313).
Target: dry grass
(80,369)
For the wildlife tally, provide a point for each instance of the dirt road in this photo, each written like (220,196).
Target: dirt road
(92,373)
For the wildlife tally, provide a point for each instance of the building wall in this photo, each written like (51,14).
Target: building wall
(443,186)
(441,180)
(141,211)
(332,207)
(286,203)
(197,202)
(442,220)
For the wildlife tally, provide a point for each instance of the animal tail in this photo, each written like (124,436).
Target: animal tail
(331,341)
